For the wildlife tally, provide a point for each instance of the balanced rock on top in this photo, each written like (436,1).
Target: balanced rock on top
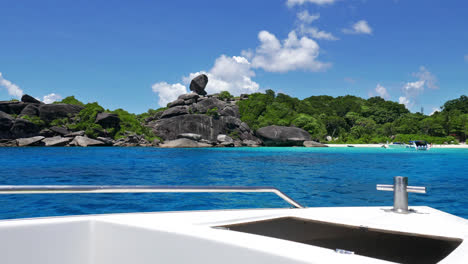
(198,84)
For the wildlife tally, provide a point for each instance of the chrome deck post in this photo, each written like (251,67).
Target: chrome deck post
(400,191)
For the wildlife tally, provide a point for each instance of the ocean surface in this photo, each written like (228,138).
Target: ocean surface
(315,177)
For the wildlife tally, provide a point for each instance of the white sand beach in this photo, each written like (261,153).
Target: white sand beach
(460,146)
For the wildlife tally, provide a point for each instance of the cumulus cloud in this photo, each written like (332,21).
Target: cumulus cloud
(382,91)
(405,101)
(304,19)
(307,18)
(12,88)
(360,27)
(429,79)
(168,92)
(232,74)
(50,98)
(412,90)
(291,3)
(293,54)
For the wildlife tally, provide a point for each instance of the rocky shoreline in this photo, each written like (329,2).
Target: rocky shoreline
(193,120)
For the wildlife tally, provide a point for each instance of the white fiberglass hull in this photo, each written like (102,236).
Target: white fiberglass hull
(230,236)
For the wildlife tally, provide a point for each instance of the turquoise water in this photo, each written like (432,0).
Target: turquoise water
(312,176)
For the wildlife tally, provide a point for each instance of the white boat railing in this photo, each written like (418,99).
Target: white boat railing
(40,189)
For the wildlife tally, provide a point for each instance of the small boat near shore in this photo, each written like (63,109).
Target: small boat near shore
(299,235)
(418,145)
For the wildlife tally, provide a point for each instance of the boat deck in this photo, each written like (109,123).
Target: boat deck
(211,236)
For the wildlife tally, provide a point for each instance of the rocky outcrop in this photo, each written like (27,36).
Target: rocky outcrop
(76,133)
(184,143)
(8,143)
(32,141)
(60,130)
(30,110)
(132,140)
(251,143)
(85,142)
(56,141)
(175,111)
(50,112)
(198,84)
(191,136)
(283,136)
(6,122)
(29,99)
(206,116)
(207,126)
(108,120)
(23,128)
(313,144)
(12,108)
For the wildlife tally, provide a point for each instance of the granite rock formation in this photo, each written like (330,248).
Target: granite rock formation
(206,116)
(283,136)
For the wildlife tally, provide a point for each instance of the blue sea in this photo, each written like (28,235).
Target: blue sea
(315,177)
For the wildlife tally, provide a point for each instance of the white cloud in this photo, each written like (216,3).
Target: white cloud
(405,101)
(412,90)
(314,32)
(232,74)
(466,57)
(429,79)
(292,54)
(382,92)
(304,19)
(50,98)
(168,92)
(12,88)
(291,3)
(307,18)
(360,27)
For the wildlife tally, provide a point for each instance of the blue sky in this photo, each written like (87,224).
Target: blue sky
(138,55)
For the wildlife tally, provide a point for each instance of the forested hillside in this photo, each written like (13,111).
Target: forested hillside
(350,119)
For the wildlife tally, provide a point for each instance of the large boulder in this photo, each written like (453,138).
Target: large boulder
(76,133)
(29,99)
(50,112)
(189,96)
(85,142)
(60,130)
(108,120)
(230,110)
(206,126)
(56,141)
(198,84)
(191,136)
(283,136)
(183,143)
(175,111)
(208,104)
(6,122)
(32,141)
(176,103)
(8,143)
(30,110)
(23,128)
(12,108)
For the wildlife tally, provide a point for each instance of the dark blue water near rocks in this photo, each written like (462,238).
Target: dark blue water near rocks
(312,176)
